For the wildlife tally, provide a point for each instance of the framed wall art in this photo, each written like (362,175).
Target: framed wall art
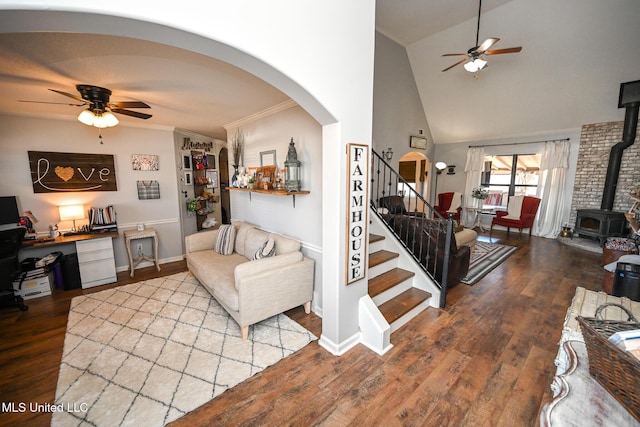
(419,142)
(53,172)
(186,162)
(144,162)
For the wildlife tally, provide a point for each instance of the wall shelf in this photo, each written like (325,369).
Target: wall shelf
(271,192)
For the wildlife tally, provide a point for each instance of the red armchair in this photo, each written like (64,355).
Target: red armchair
(527,216)
(444,203)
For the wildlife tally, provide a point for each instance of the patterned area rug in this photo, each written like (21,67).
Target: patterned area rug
(145,354)
(485,257)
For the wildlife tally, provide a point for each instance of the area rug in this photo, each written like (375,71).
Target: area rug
(145,354)
(484,258)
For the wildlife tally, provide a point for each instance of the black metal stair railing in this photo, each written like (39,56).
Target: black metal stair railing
(425,234)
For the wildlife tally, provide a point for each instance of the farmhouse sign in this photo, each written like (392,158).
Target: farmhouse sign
(357,208)
(64,172)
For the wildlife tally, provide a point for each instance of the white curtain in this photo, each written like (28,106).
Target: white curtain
(551,188)
(473,168)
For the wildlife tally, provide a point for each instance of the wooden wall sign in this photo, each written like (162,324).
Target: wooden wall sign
(64,172)
(357,210)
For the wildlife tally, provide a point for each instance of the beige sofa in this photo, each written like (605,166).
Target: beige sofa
(252,290)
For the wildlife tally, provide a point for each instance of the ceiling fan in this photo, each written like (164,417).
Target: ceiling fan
(476,56)
(100,108)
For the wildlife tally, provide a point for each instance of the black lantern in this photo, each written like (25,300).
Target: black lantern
(292,169)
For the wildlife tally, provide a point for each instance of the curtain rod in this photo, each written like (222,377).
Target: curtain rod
(517,143)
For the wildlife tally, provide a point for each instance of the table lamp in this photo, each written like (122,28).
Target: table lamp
(71,213)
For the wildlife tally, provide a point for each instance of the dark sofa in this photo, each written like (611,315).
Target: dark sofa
(427,237)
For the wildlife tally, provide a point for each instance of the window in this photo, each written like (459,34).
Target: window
(505,180)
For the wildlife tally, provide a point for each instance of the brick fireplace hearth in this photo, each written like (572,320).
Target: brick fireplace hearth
(596,141)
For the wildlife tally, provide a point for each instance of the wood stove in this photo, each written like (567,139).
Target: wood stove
(600,224)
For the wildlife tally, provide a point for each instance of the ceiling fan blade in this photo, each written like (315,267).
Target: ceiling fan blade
(77,98)
(455,54)
(131,113)
(47,102)
(507,50)
(487,44)
(457,63)
(129,104)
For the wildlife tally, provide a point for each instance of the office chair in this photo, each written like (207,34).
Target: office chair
(10,242)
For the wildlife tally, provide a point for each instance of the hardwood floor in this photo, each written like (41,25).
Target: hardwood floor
(486,359)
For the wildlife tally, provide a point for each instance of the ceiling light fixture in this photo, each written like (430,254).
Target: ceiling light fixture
(97,118)
(475,65)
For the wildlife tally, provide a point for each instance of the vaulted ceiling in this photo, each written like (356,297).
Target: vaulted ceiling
(575,55)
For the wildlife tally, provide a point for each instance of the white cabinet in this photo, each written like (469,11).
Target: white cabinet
(96,262)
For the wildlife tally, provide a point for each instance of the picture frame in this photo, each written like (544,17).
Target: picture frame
(265,175)
(268,158)
(419,142)
(145,162)
(186,162)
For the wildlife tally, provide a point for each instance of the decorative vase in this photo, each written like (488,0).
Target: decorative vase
(234,178)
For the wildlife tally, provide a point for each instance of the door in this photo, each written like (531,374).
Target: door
(225,202)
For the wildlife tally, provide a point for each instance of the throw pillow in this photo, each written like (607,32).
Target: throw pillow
(225,240)
(266,250)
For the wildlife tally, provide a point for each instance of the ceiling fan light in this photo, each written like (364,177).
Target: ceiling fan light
(471,66)
(110,119)
(480,63)
(87,117)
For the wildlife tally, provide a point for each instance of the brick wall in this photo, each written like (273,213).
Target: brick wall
(596,141)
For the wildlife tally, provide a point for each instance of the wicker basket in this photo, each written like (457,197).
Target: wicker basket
(618,371)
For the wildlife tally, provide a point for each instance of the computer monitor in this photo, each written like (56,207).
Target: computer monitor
(9,213)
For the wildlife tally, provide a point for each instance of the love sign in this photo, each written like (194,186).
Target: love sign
(65,172)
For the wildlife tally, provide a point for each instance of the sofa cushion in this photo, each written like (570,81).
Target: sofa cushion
(225,240)
(241,237)
(266,250)
(253,242)
(285,245)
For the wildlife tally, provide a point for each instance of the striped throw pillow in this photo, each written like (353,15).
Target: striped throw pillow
(266,250)
(226,239)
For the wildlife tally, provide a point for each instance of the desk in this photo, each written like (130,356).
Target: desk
(131,235)
(478,211)
(96,260)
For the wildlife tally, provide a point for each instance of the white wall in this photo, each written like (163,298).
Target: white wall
(277,213)
(397,110)
(22,134)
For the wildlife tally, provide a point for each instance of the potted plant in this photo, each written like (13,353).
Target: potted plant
(480,193)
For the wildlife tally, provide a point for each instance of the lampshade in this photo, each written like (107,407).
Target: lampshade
(71,212)
(87,117)
(441,165)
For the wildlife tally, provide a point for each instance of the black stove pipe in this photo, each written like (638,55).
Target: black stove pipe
(615,157)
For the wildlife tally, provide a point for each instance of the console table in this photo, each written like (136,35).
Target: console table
(581,401)
(130,236)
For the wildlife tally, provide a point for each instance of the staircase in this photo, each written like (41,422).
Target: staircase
(398,289)
(391,287)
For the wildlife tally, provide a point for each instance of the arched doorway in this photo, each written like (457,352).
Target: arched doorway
(414,168)
(225,205)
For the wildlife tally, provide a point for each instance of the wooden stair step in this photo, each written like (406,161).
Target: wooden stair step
(379,257)
(388,280)
(402,304)
(373,238)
